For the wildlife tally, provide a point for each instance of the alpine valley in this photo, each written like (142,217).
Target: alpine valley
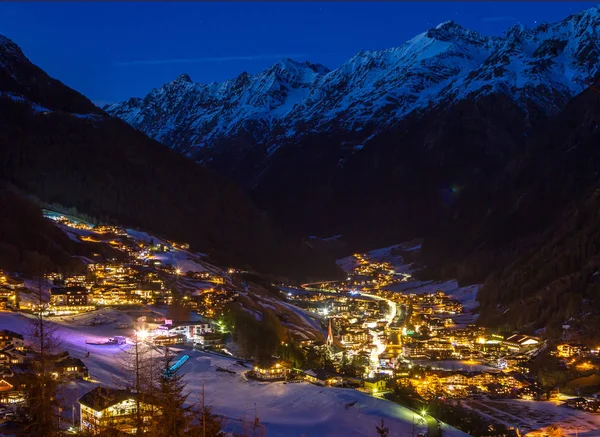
(485,147)
(482,145)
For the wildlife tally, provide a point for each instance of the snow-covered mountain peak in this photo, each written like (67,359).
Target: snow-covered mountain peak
(10,49)
(543,66)
(590,14)
(449,31)
(298,73)
(184,77)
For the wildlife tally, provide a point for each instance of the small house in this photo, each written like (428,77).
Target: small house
(272,369)
(11,338)
(107,408)
(71,368)
(375,385)
(323,377)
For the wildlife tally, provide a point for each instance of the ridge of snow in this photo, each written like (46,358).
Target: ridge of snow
(545,65)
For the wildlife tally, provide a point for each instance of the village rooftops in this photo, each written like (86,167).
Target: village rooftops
(101,398)
(59,291)
(188,323)
(522,340)
(321,374)
(71,362)
(5,333)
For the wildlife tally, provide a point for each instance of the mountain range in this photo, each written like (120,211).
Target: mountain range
(299,137)
(58,146)
(484,146)
(539,69)
(453,136)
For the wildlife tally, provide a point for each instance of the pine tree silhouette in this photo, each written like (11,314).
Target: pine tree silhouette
(382,430)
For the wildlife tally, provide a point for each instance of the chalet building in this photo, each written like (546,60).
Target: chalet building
(11,390)
(465,379)
(387,360)
(356,336)
(271,370)
(11,338)
(110,295)
(189,329)
(8,297)
(513,361)
(322,377)
(569,350)
(438,349)
(415,349)
(75,281)
(168,340)
(519,342)
(71,368)
(10,355)
(209,340)
(578,403)
(375,385)
(11,283)
(70,299)
(106,408)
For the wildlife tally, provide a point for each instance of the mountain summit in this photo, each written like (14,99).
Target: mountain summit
(544,66)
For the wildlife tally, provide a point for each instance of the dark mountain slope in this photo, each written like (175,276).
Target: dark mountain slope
(387,145)
(541,235)
(19,77)
(28,242)
(408,179)
(66,151)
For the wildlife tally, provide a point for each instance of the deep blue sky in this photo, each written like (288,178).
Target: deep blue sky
(112,51)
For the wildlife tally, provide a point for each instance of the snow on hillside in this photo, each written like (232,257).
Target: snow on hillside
(41,109)
(287,410)
(383,254)
(467,295)
(180,260)
(544,66)
(533,418)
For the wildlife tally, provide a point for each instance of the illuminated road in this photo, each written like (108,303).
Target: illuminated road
(378,345)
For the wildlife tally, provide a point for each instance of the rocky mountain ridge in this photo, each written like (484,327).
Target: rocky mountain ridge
(542,67)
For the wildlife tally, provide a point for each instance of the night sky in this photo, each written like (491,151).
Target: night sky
(112,51)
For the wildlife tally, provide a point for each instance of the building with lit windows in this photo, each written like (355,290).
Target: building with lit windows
(273,369)
(110,409)
(9,338)
(69,300)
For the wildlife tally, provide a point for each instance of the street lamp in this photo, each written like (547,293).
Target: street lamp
(141,334)
(423,412)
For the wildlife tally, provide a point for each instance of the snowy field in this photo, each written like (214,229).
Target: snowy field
(533,417)
(287,410)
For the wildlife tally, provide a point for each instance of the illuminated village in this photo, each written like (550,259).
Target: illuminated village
(377,336)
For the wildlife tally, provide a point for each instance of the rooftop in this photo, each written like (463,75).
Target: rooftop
(7,333)
(58,291)
(101,398)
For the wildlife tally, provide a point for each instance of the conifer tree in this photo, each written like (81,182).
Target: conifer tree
(175,416)
(382,430)
(208,423)
(173,419)
(138,364)
(41,407)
